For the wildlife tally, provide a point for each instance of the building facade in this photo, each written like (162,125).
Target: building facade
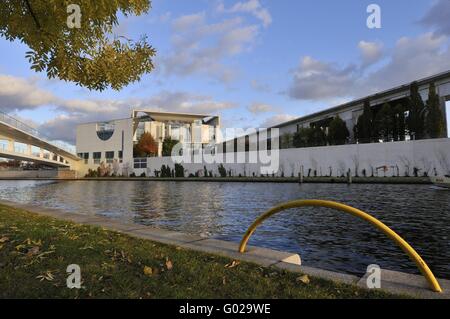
(111,143)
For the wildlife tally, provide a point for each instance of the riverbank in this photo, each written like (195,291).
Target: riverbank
(35,251)
(337,180)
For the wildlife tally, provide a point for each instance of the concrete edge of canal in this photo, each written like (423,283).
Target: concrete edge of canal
(306,180)
(391,281)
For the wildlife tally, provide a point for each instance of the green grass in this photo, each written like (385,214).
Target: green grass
(36,250)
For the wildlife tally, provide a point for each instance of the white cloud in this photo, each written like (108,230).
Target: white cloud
(199,47)
(277,119)
(257,108)
(371,52)
(18,93)
(438,17)
(409,60)
(189,21)
(316,80)
(252,7)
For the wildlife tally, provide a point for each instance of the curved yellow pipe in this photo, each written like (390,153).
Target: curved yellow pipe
(424,269)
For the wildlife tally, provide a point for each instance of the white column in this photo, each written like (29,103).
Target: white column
(10,145)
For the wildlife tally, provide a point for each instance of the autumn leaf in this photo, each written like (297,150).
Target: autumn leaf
(304,279)
(48,275)
(148,271)
(4,239)
(169,264)
(233,264)
(33,251)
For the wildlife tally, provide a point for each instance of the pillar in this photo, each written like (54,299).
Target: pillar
(10,145)
(443,101)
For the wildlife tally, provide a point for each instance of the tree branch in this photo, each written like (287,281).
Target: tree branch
(32,14)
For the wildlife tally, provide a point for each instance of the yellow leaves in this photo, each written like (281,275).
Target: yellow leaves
(20,247)
(233,264)
(148,271)
(48,276)
(4,240)
(303,279)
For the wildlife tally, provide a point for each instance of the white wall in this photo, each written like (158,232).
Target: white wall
(425,155)
(89,142)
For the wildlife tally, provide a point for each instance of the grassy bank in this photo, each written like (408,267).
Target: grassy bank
(35,252)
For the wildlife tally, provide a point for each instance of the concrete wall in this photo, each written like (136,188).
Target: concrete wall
(64,174)
(426,155)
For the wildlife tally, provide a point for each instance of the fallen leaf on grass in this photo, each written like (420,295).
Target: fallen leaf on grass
(4,239)
(304,279)
(169,264)
(148,271)
(33,251)
(48,275)
(233,264)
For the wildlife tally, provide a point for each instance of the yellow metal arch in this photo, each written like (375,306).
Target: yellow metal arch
(424,269)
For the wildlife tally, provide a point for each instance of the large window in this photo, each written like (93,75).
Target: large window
(105,130)
(140,163)
(97,157)
(109,157)
(84,156)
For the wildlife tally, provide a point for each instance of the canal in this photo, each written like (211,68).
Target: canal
(324,238)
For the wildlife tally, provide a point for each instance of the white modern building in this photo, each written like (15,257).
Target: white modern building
(111,142)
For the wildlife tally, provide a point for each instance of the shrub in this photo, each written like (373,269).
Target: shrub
(222,171)
(179,170)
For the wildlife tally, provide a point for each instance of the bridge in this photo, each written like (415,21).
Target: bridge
(21,142)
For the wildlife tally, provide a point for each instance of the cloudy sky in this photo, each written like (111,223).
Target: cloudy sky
(254,62)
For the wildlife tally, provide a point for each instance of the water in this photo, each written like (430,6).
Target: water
(324,238)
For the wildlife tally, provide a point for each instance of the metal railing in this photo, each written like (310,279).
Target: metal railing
(8,119)
(420,263)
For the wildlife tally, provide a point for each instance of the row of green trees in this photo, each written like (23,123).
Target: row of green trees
(417,119)
(337,134)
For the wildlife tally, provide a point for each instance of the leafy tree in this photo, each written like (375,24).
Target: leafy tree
(434,122)
(301,138)
(146,146)
(91,56)
(179,170)
(285,141)
(364,128)
(222,171)
(317,136)
(415,119)
(337,132)
(399,123)
(384,122)
(168,145)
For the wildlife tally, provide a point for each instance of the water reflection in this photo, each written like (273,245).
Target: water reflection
(324,238)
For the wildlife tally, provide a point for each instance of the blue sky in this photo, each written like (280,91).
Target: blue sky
(254,62)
